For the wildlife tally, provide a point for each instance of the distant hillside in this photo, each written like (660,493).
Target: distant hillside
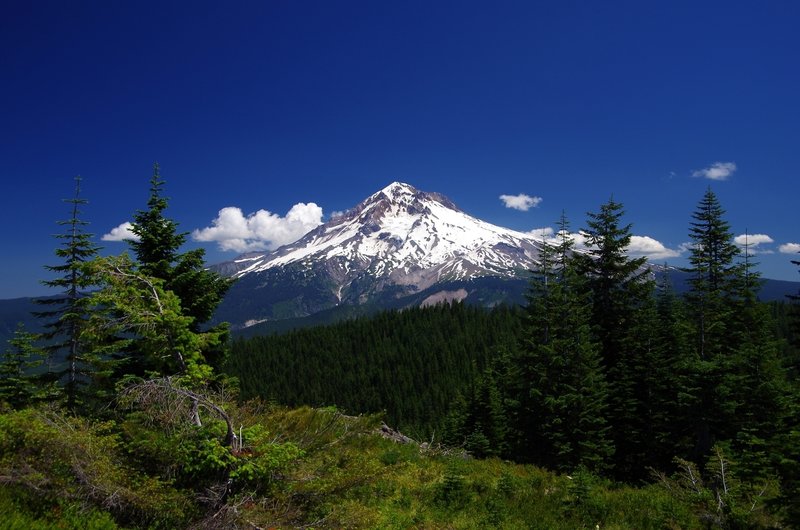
(771,290)
(14,311)
(485,291)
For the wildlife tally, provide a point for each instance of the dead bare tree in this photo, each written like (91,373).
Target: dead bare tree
(174,404)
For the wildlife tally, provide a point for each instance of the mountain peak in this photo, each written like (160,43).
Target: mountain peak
(401,193)
(403,236)
(397,187)
(396,192)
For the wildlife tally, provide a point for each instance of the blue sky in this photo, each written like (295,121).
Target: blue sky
(302,109)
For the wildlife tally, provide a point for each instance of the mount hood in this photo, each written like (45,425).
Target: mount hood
(399,247)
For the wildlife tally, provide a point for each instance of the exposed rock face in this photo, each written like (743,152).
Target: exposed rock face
(445,296)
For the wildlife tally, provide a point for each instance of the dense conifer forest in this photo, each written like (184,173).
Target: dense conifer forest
(607,401)
(407,364)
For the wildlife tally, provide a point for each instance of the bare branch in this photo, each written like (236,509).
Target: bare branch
(165,394)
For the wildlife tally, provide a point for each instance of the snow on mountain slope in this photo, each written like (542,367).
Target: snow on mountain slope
(404,237)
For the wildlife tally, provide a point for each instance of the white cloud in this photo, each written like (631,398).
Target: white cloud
(639,245)
(542,233)
(520,202)
(336,214)
(789,248)
(261,230)
(551,237)
(650,248)
(121,233)
(578,239)
(716,171)
(753,241)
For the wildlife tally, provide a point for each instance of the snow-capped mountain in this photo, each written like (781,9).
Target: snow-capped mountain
(404,236)
(397,243)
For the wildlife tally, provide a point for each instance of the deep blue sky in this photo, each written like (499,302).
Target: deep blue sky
(264,105)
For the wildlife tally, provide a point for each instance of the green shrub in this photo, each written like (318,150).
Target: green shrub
(58,458)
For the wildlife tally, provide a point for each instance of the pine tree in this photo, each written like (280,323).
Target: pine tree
(618,284)
(138,312)
(712,278)
(670,379)
(755,386)
(714,275)
(478,420)
(559,390)
(620,291)
(70,309)
(20,384)
(740,388)
(157,250)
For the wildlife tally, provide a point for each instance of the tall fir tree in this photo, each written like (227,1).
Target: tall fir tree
(739,388)
(620,290)
(559,392)
(754,386)
(713,276)
(618,283)
(74,364)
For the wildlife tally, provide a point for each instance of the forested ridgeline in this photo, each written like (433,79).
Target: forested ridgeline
(408,364)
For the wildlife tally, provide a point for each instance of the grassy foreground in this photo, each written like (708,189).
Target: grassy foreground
(60,472)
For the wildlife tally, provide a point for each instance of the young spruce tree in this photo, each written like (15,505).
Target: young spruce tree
(20,384)
(477,420)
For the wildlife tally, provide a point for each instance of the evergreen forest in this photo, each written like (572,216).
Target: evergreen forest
(606,401)
(407,365)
